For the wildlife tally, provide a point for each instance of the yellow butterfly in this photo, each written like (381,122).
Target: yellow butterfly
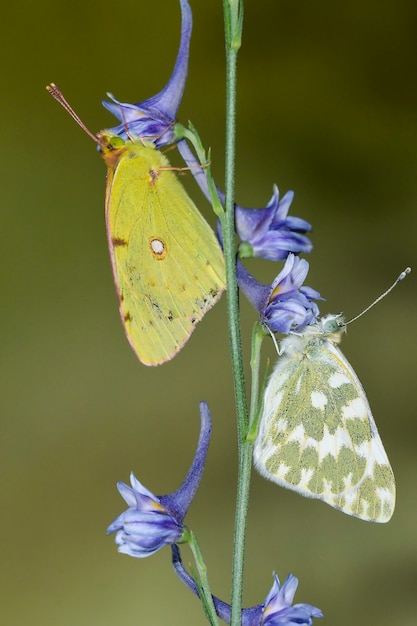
(167,263)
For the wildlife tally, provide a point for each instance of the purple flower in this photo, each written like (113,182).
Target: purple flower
(275,611)
(278,609)
(266,233)
(154,118)
(147,525)
(285,305)
(152,522)
(269,233)
(290,306)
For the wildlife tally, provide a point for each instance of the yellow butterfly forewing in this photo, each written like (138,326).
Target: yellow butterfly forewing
(167,263)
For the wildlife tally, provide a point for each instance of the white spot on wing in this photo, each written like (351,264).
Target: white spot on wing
(385,496)
(332,443)
(298,434)
(281,424)
(282,471)
(306,475)
(362,450)
(350,498)
(349,484)
(356,408)
(318,399)
(338,379)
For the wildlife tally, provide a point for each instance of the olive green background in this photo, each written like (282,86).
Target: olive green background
(327,106)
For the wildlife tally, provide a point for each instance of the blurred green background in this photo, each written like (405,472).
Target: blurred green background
(328,107)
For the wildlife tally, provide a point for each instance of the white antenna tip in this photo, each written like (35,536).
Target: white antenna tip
(404,273)
(400,277)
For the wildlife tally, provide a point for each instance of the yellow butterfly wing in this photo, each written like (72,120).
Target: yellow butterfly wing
(167,263)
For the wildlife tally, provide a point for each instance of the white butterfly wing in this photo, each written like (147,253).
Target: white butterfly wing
(317,434)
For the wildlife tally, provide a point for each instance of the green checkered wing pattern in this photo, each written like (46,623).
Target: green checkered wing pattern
(317,434)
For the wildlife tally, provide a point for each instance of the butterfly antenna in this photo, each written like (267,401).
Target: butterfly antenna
(154,137)
(57,94)
(395,283)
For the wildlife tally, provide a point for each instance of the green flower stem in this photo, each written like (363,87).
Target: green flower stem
(233,14)
(194,138)
(258,335)
(245,467)
(207,600)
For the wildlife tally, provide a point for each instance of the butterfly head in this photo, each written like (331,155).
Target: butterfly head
(111,147)
(332,326)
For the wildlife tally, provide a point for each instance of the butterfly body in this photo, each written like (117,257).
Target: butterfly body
(317,434)
(167,264)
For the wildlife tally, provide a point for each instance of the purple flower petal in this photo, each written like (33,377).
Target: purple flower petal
(152,522)
(154,118)
(285,305)
(269,233)
(275,611)
(278,609)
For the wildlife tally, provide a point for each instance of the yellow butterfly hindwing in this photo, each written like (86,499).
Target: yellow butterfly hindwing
(167,263)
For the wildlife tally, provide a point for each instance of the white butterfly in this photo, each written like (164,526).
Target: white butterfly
(317,435)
